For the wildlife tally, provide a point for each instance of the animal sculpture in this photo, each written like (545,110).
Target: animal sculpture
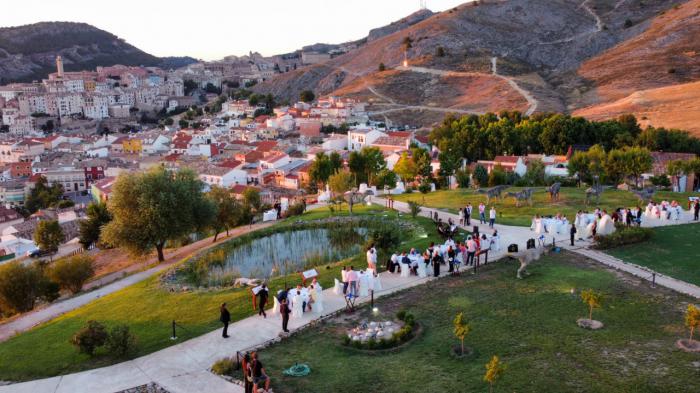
(522,196)
(493,192)
(553,191)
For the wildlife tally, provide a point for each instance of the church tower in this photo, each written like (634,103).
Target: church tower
(59,66)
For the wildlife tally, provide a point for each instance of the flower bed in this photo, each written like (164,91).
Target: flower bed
(386,335)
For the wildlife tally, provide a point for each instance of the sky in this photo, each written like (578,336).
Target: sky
(212,29)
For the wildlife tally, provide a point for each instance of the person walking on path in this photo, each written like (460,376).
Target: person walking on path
(492,217)
(572,232)
(696,208)
(225,318)
(482,213)
(284,311)
(468,214)
(262,301)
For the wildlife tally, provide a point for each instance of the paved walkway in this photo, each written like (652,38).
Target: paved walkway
(182,368)
(31,319)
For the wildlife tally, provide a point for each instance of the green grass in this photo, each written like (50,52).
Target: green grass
(570,202)
(529,324)
(148,310)
(672,251)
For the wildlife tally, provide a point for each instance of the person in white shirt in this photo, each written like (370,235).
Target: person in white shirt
(492,217)
(485,247)
(344,278)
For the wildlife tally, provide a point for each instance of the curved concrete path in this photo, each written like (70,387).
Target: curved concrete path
(183,368)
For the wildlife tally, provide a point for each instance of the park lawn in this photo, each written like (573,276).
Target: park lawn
(571,200)
(149,310)
(672,251)
(529,324)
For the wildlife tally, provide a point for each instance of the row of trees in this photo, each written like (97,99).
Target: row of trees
(482,137)
(22,286)
(613,166)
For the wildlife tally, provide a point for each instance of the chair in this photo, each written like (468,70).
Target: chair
(338,287)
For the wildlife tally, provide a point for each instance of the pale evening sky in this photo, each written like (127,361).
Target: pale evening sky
(212,29)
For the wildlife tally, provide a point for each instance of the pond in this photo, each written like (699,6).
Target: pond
(277,254)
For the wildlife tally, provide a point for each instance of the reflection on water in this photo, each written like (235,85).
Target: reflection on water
(286,252)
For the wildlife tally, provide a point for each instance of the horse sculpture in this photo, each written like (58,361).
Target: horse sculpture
(553,191)
(494,192)
(524,195)
(596,191)
(645,195)
(526,257)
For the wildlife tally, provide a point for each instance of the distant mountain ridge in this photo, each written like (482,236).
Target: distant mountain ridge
(28,52)
(558,55)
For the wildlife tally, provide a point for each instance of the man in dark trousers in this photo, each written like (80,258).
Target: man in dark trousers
(572,231)
(262,301)
(697,210)
(285,310)
(225,318)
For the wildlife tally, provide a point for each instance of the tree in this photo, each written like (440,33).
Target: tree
(48,235)
(481,176)
(341,182)
(374,163)
(461,329)
(120,341)
(71,273)
(494,370)
(307,96)
(90,337)
(43,196)
(463,178)
(385,178)
(450,161)
(592,299)
(183,123)
(323,167)
(497,176)
(227,210)
(406,44)
(535,175)
(251,198)
(638,160)
(22,285)
(406,168)
(150,208)
(356,165)
(692,319)
(90,229)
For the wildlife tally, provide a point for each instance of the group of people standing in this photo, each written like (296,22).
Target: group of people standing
(466,213)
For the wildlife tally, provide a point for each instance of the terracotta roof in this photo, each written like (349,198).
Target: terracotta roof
(264,146)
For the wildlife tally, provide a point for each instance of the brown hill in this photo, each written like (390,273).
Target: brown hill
(535,46)
(676,106)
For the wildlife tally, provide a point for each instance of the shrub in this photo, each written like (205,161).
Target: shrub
(415,208)
(623,236)
(481,176)
(401,315)
(463,178)
(660,181)
(440,52)
(21,286)
(385,237)
(72,273)
(120,341)
(628,23)
(497,177)
(89,338)
(382,67)
(296,209)
(224,366)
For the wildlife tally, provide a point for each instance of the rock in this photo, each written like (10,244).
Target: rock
(590,324)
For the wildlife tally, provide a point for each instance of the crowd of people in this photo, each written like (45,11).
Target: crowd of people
(465,215)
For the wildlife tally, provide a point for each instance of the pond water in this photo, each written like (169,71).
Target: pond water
(287,252)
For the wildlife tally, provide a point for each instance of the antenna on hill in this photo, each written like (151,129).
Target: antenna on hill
(423,4)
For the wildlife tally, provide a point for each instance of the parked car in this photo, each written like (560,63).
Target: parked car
(37,253)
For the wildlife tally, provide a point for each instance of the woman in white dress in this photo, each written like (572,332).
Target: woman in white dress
(495,242)
(297,303)
(606,226)
(539,229)
(364,284)
(316,294)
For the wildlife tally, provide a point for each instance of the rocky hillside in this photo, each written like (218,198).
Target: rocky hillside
(559,55)
(29,52)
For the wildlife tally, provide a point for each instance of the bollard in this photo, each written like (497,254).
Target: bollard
(174,336)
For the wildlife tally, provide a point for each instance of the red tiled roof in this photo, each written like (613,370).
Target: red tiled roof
(264,146)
